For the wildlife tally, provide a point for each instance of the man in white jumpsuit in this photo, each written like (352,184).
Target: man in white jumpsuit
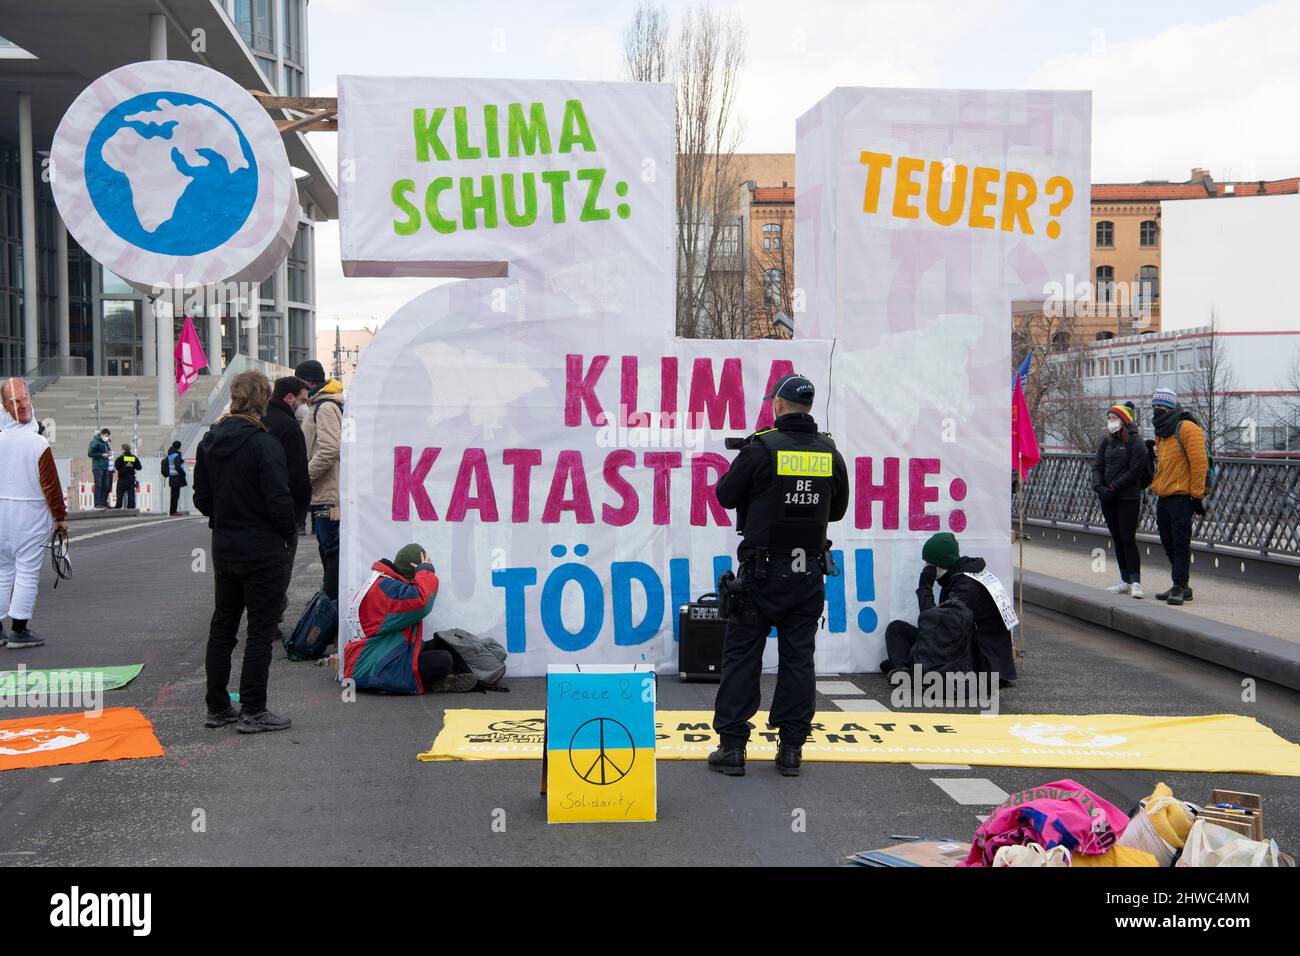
(31,504)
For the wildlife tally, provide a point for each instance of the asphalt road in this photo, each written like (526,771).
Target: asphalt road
(343,785)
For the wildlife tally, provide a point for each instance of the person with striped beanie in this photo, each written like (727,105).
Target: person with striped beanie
(1116,478)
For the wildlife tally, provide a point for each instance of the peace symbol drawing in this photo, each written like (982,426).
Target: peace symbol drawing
(599,736)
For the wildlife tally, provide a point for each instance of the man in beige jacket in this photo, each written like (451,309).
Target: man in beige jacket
(322,429)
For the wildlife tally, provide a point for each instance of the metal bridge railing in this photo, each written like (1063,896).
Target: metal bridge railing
(1255,505)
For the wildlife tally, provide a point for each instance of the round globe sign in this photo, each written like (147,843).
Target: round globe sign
(171,175)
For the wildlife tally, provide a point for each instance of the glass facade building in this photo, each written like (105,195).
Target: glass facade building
(108,321)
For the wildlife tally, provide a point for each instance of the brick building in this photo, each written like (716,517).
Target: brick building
(1124,272)
(767,222)
(1126,244)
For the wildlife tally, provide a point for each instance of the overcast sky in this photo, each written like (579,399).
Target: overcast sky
(1176,84)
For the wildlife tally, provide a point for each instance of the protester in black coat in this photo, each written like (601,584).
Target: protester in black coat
(281,421)
(940,641)
(1117,467)
(1117,480)
(242,485)
(992,651)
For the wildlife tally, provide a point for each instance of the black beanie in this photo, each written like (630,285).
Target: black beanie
(311,372)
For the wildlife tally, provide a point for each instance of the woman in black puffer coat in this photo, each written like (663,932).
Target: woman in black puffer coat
(1116,478)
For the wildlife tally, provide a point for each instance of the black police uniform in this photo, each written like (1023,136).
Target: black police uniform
(784,502)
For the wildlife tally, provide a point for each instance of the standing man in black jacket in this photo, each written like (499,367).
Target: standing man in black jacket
(281,421)
(242,485)
(1117,480)
(787,484)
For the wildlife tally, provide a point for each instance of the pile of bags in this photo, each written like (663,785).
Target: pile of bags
(1066,824)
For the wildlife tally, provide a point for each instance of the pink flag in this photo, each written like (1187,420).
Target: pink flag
(189,357)
(1024,443)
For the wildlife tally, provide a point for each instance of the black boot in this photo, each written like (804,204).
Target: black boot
(728,760)
(788,759)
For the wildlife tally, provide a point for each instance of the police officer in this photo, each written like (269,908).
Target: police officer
(786,484)
(126,466)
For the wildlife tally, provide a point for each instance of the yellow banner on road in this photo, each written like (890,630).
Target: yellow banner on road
(1220,743)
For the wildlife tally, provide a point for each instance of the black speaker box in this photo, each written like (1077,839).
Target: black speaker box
(699,640)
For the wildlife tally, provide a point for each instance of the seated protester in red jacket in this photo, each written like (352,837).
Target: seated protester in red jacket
(385,651)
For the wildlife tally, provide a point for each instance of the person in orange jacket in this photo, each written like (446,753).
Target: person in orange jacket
(1182,464)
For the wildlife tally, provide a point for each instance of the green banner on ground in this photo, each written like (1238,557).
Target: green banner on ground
(25,681)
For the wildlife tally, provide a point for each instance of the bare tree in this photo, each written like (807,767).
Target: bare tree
(1288,415)
(726,305)
(645,45)
(1069,414)
(1211,396)
(704,60)
(1063,410)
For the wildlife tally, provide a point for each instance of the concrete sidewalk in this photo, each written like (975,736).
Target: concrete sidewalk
(1218,637)
(1267,610)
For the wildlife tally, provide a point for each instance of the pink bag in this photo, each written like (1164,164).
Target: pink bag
(1062,813)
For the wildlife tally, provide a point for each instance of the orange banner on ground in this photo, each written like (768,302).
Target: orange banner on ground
(49,740)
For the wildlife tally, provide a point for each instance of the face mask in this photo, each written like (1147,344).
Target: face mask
(300,413)
(1113,426)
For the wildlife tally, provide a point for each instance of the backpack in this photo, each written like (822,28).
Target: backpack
(166,472)
(316,630)
(1211,471)
(485,658)
(1148,472)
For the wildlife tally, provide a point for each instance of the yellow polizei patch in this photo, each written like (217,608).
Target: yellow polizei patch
(804,464)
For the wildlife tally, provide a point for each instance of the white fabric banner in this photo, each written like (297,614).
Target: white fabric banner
(920,216)
(552,445)
(453,177)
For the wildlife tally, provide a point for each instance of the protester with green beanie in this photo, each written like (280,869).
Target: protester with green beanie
(941,550)
(408,557)
(392,655)
(967,580)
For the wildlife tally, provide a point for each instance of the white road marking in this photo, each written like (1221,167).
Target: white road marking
(838,688)
(861,703)
(127,527)
(971,791)
(940,766)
